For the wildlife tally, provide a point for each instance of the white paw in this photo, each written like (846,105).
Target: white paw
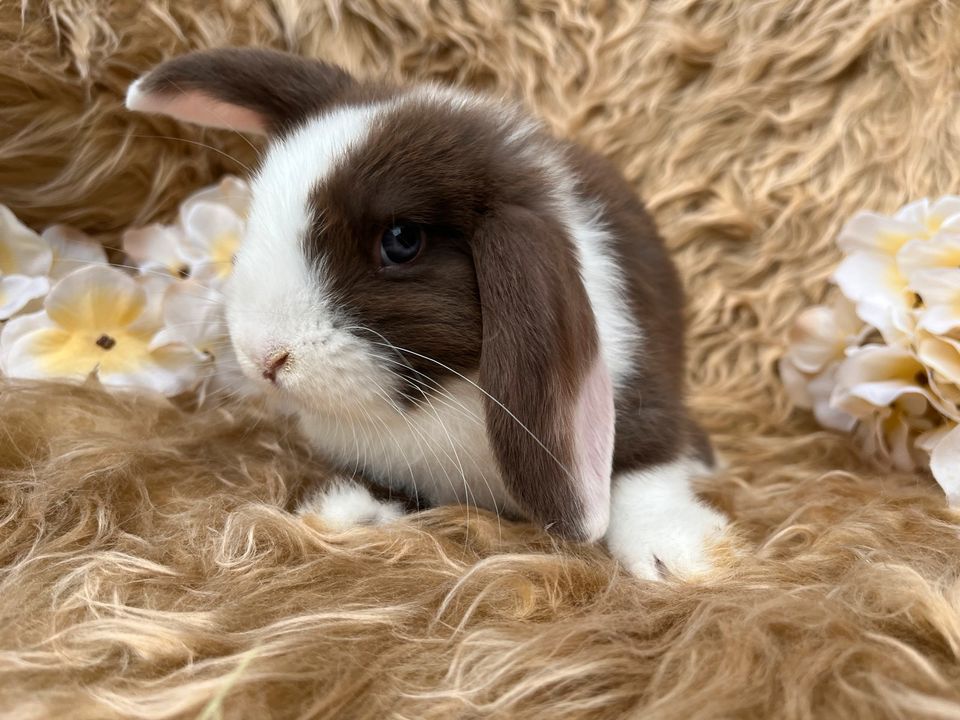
(344,504)
(658,527)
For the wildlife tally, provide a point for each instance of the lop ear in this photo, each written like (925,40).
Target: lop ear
(550,411)
(250,90)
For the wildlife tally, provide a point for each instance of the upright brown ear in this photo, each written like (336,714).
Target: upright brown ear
(250,90)
(550,412)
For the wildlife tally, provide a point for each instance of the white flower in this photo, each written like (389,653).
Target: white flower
(889,437)
(940,290)
(94,321)
(945,461)
(212,237)
(158,249)
(821,335)
(194,316)
(817,344)
(24,263)
(886,388)
(881,293)
(230,191)
(882,252)
(203,243)
(71,250)
(940,251)
(875,376)
(815,393)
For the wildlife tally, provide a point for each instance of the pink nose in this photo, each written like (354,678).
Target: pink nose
(272,364)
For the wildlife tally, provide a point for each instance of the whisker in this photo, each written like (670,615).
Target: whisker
(200,144)
(492,398)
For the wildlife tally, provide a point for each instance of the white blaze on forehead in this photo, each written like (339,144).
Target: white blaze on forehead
(296,164)
(275,293)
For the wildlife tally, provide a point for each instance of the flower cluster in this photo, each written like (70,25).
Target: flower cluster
(155,322)
(883,360)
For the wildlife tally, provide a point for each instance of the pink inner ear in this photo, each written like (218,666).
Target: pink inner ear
(593,428)
(197,108)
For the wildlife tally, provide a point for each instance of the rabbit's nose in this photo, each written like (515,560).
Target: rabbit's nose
(274,363)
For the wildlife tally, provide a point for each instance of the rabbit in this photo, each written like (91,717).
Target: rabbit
(457,305)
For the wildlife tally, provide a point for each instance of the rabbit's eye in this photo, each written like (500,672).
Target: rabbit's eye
(401,243)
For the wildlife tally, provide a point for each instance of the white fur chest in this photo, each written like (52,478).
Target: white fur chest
(437,453)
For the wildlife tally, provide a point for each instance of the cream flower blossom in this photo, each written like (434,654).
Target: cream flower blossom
(71,250)
(94,321)
(212,234)
(903,275)
(158,249)
(817,345)
(945,461)
(940,290)
(882,252)
(194,316)
(886,388)
(918,256)
(24,263)
(203,243)
(230,191)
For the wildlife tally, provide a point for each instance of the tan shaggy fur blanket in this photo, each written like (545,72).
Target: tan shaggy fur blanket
(149,564)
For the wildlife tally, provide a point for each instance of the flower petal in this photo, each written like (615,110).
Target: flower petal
(796,384)
(22,251)
(71,249)
(942,251)
(95,298)
(875,233)
(17,328)
(928,440)
(16,291)
(213,234)
(941,211)
(157,248)
(230,191)
(193,314)
(825,411)
(914,213)
(170,370)
(877,376)
(945,465)
(39,348)
(941,354)
(815,340)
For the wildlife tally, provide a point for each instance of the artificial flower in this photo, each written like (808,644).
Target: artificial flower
(889,436)
(874,377)
(202,244)
(158,249)
(945,464)
(212,234)
(230,191)
(24,263)
(821,335)
(71,250)
(881,293)
(193,316)
(818,342)
(883,253)
(94,322)
(940,290)
(917,256)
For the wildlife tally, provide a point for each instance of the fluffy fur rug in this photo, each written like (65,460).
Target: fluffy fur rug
(148,564)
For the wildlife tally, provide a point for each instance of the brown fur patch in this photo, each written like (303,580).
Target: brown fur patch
(148,567)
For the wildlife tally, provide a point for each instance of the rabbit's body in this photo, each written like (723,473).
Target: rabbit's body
(458,305)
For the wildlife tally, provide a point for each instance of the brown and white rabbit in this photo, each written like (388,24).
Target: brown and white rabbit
(458,305)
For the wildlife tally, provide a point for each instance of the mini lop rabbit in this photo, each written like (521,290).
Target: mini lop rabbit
(457,304)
